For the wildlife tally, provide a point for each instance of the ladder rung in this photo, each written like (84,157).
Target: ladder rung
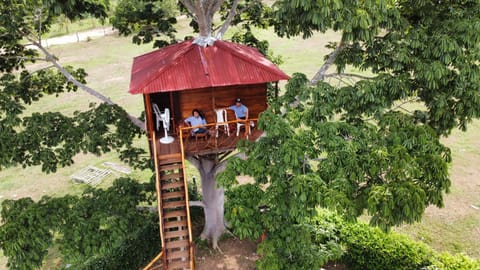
(170,167)
(173,224)
(178,184)
(171,156)
(171,195)
(175,234)
(172,255)
(178,244)
(176,213)
(173,204)
(171,176)
(179,265)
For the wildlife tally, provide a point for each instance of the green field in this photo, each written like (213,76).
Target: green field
(107,60)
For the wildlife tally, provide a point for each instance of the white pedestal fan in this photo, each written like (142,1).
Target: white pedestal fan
(166,126)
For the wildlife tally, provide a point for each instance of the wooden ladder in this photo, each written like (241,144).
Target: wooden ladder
(175,216)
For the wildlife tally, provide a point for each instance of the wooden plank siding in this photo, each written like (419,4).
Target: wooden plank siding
(209,99)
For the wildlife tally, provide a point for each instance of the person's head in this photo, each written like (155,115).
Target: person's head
(238,102)
(196,113)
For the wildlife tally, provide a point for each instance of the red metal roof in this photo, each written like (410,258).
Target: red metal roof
(186,65)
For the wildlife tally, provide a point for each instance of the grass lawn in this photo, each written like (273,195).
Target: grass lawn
(107,60)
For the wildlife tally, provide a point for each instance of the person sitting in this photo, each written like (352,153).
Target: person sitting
(197,121)
(241,111)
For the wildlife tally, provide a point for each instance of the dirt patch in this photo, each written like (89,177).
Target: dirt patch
(236,254)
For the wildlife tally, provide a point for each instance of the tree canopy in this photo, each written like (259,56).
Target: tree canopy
(354,143)
(350,142)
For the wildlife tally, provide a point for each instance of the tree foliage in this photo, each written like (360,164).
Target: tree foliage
(371,145)
(50,139)
(357,146)
(86,228)
(145,20)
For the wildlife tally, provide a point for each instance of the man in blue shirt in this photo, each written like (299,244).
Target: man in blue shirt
(241,111)
(197,121)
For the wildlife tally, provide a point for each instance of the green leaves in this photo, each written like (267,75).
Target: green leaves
(32,18)
(89,229)
(347,149)
(147,20)
(51,139)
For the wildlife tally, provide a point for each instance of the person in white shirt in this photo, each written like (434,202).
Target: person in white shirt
(197,121)
(241,111)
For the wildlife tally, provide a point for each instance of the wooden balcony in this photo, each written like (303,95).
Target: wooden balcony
(208,143)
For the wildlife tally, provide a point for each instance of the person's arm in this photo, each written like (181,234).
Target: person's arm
(246,112)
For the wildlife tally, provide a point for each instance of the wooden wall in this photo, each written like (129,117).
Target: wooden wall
(208,99)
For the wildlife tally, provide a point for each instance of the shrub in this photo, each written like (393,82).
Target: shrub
(445,261)
(134,252)
(370,248)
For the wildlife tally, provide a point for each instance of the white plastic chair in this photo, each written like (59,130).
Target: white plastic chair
(241,123)
(221,122)
(158,115)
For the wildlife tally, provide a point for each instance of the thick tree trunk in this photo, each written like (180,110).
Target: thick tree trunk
(213,199)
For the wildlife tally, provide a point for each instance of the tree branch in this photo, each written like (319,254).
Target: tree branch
(400,106)
(23,58)
(196,203)
(222,165)
(320,76)
(195,161)
(189,5)
(50,58)
(228,20)
(347,75)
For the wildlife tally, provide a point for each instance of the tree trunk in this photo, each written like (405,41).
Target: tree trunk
(213,199)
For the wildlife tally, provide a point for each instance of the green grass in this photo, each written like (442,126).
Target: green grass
(66,27)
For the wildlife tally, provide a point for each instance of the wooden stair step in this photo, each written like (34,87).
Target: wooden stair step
(176,213)
(169,158)
(177,184)
(173,204)
(171,167)
(177,244)
(178,254)
(179,265)
(174,194)
(171,176)
(174,224)
(175,234)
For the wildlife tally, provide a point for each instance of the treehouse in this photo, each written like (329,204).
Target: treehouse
(174,81)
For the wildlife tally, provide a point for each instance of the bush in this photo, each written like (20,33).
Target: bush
(370,248)
(134,252)
(447,261)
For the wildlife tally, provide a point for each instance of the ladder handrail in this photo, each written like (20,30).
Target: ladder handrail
(158,189)
(154,261)
(192,266)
